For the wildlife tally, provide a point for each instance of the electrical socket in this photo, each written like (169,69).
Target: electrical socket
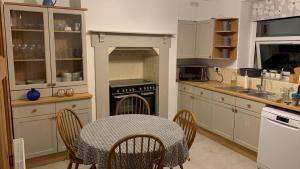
(217,69)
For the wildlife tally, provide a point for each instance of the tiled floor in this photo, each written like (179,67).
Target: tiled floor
(205,154)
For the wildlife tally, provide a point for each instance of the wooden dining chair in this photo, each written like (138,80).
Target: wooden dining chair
(187,121)
(133,104)
(69,127)
(141,151)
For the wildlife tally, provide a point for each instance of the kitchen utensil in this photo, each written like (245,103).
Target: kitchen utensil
(61,93)
(77,26)
(226,25)
(68,28)
(252,72)
(226,41)
(70,92)
(225,53)
(67,77)
(49,2)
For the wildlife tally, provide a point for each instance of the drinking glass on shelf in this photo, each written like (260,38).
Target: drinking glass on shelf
(31,51)
(17,50)
(24,50)
(38,51)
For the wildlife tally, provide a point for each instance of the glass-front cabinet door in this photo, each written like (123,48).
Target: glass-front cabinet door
(28,47)
(67,37)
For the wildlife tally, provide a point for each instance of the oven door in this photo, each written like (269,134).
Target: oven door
(149,96)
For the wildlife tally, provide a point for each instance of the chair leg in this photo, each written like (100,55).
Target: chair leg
(70,165)
(93,166)
(77,165)
(181,166)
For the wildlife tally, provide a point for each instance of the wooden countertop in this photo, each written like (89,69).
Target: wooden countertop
(53,99)
(217,87)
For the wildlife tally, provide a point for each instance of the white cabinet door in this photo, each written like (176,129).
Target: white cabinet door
(186,46)
(84,118)
(223,120)
(39,134)
(203,110)
(246,131)
(185,101)
(204,42)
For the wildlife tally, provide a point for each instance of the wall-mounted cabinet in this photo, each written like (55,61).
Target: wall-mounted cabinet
(209,39)
(225,38)
(195,39)
(45,47)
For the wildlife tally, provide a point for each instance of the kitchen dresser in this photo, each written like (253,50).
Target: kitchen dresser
(46,51)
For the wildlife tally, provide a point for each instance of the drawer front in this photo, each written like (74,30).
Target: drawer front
(186,88)
(249,105)
(202,93)
(74,105)
(35,110)
(223,98)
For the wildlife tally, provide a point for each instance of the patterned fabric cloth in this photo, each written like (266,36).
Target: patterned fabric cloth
(97,138)
(272,9)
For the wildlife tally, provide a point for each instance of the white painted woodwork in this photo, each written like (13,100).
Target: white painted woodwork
(223,120)
(74,105)
(39,133)
(203,110)
(250,105)
(185,101)
(186,44)
(32,111)
(204,41)
(223,98)
(246,130)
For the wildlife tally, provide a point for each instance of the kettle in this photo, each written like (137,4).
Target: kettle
(49,2)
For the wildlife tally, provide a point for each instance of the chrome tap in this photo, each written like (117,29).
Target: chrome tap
(260,87)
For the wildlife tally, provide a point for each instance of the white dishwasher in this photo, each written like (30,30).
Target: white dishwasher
(279,142)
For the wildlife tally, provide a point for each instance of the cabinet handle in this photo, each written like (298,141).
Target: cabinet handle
(201,93)
(53,84)
(73,106)
(222,98)
(184,88)
(233,110)
(49,85)
(34,111)
(192,97)
(54,118)
(249,106)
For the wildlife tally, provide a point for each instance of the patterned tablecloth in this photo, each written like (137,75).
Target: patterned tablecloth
(97,138)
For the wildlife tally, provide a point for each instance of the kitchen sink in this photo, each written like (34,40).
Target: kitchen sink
(250,92)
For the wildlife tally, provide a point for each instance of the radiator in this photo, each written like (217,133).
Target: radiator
(19,153)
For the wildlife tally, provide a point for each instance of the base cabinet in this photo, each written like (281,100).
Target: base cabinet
(37,125)
(39,134)
(223,120)
(185,101)
(246,131)
(203,111)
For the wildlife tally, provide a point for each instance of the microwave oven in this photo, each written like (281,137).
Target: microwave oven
(193,73)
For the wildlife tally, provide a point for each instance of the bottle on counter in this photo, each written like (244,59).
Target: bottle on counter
(246,81)
(234,79)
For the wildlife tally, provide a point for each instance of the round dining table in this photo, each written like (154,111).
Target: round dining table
(97,138)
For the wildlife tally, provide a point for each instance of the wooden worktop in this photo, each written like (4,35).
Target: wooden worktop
(53,99)
(217,87)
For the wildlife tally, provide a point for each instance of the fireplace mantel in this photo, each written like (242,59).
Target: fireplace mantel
(103,41)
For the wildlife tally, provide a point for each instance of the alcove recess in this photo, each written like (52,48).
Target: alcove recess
(220,33)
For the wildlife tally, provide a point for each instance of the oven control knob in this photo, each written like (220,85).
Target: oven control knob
(118,91)
(126,90)
(129,90)
(141,89)
(133,89)
(123,90)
